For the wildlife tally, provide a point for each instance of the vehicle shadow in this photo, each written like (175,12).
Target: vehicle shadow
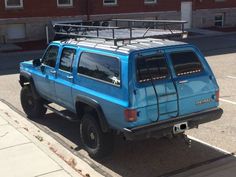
(10,62)
(217,45)
(152,158)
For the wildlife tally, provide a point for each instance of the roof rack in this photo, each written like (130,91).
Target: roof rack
(123,30)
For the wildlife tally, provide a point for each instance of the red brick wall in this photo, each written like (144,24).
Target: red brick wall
(40,8)
(44,8)
(131,6)
(211,4)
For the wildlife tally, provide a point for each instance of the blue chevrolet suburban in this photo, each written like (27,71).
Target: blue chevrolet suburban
(145,88)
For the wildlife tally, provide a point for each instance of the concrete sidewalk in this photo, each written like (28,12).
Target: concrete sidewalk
(26,151)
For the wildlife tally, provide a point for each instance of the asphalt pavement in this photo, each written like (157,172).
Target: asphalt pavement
(165,157)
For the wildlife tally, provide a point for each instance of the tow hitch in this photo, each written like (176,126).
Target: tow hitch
(180,128)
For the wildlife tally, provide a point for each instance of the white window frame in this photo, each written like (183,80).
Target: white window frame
(150,2)
(9,7)
(110,4)
(222,20)
(65,5)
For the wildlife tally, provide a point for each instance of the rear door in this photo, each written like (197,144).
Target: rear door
(64,78)
(155,90)
(193,79)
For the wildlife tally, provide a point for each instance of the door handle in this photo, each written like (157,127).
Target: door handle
(183,82)
(70,77)
(53,71)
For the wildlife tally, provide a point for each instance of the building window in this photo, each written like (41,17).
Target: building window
(13,3)
(109,2)
(150,1)
(219,20)
(64,3)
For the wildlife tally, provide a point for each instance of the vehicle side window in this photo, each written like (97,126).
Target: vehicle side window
(151,67)
(67,58)
(100,67)
(186,63)
(50,56)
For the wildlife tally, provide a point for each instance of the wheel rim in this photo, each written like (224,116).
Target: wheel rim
(90,136)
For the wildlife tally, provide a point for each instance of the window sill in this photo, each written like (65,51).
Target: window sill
(110,5)
(14,8)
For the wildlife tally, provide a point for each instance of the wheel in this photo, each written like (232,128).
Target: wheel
(32,106)
(95,142)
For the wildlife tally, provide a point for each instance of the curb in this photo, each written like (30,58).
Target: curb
(63,157)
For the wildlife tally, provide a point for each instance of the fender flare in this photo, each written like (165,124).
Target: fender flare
(95,105)
(26,79)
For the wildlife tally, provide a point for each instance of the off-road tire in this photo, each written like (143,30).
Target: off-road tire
(97,143)
(32,106)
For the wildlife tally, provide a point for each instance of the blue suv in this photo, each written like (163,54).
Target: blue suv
(145,88)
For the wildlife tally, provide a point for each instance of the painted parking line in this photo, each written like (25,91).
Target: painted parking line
(231,77)
(228,101)
(209,145)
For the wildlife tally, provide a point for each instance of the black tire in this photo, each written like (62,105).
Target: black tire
(97,143)
(33,107)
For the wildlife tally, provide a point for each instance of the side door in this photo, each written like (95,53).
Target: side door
(193,79)
(64,78)
(45,83)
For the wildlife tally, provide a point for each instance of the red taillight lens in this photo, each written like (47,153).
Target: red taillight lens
(130,115)
(218,96)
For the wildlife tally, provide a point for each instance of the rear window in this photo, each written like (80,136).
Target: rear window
(101,67)
(151,67)
(186,63)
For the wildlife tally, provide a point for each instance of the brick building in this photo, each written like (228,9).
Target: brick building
(26,19)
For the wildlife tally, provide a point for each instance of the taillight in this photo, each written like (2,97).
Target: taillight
(130,115)
(218,95)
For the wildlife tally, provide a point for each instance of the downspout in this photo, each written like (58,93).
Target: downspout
(88,10)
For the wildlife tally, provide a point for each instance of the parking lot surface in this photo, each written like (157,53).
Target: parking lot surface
(165,157)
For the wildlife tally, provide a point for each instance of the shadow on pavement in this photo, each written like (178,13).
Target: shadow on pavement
(10,62)
(152,158)
(217,45)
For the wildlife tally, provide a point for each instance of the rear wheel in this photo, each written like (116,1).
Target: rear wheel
(97,143)
(32,106)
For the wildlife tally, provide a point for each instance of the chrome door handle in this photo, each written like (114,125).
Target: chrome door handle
(183,82)
(70,77)
(53,71)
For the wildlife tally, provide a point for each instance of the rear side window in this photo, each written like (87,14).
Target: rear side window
(151,67)
(67,58)
(50,56)
(186,63)
(100,67)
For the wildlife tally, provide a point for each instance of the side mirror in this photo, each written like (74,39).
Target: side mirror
(36,62)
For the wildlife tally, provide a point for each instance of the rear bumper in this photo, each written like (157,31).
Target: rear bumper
(165,128)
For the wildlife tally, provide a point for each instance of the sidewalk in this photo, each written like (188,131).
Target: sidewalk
(26,151)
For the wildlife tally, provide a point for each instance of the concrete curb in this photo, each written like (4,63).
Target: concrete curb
(63,157)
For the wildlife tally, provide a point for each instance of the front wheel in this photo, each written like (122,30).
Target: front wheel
(97,143)
(32,106)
